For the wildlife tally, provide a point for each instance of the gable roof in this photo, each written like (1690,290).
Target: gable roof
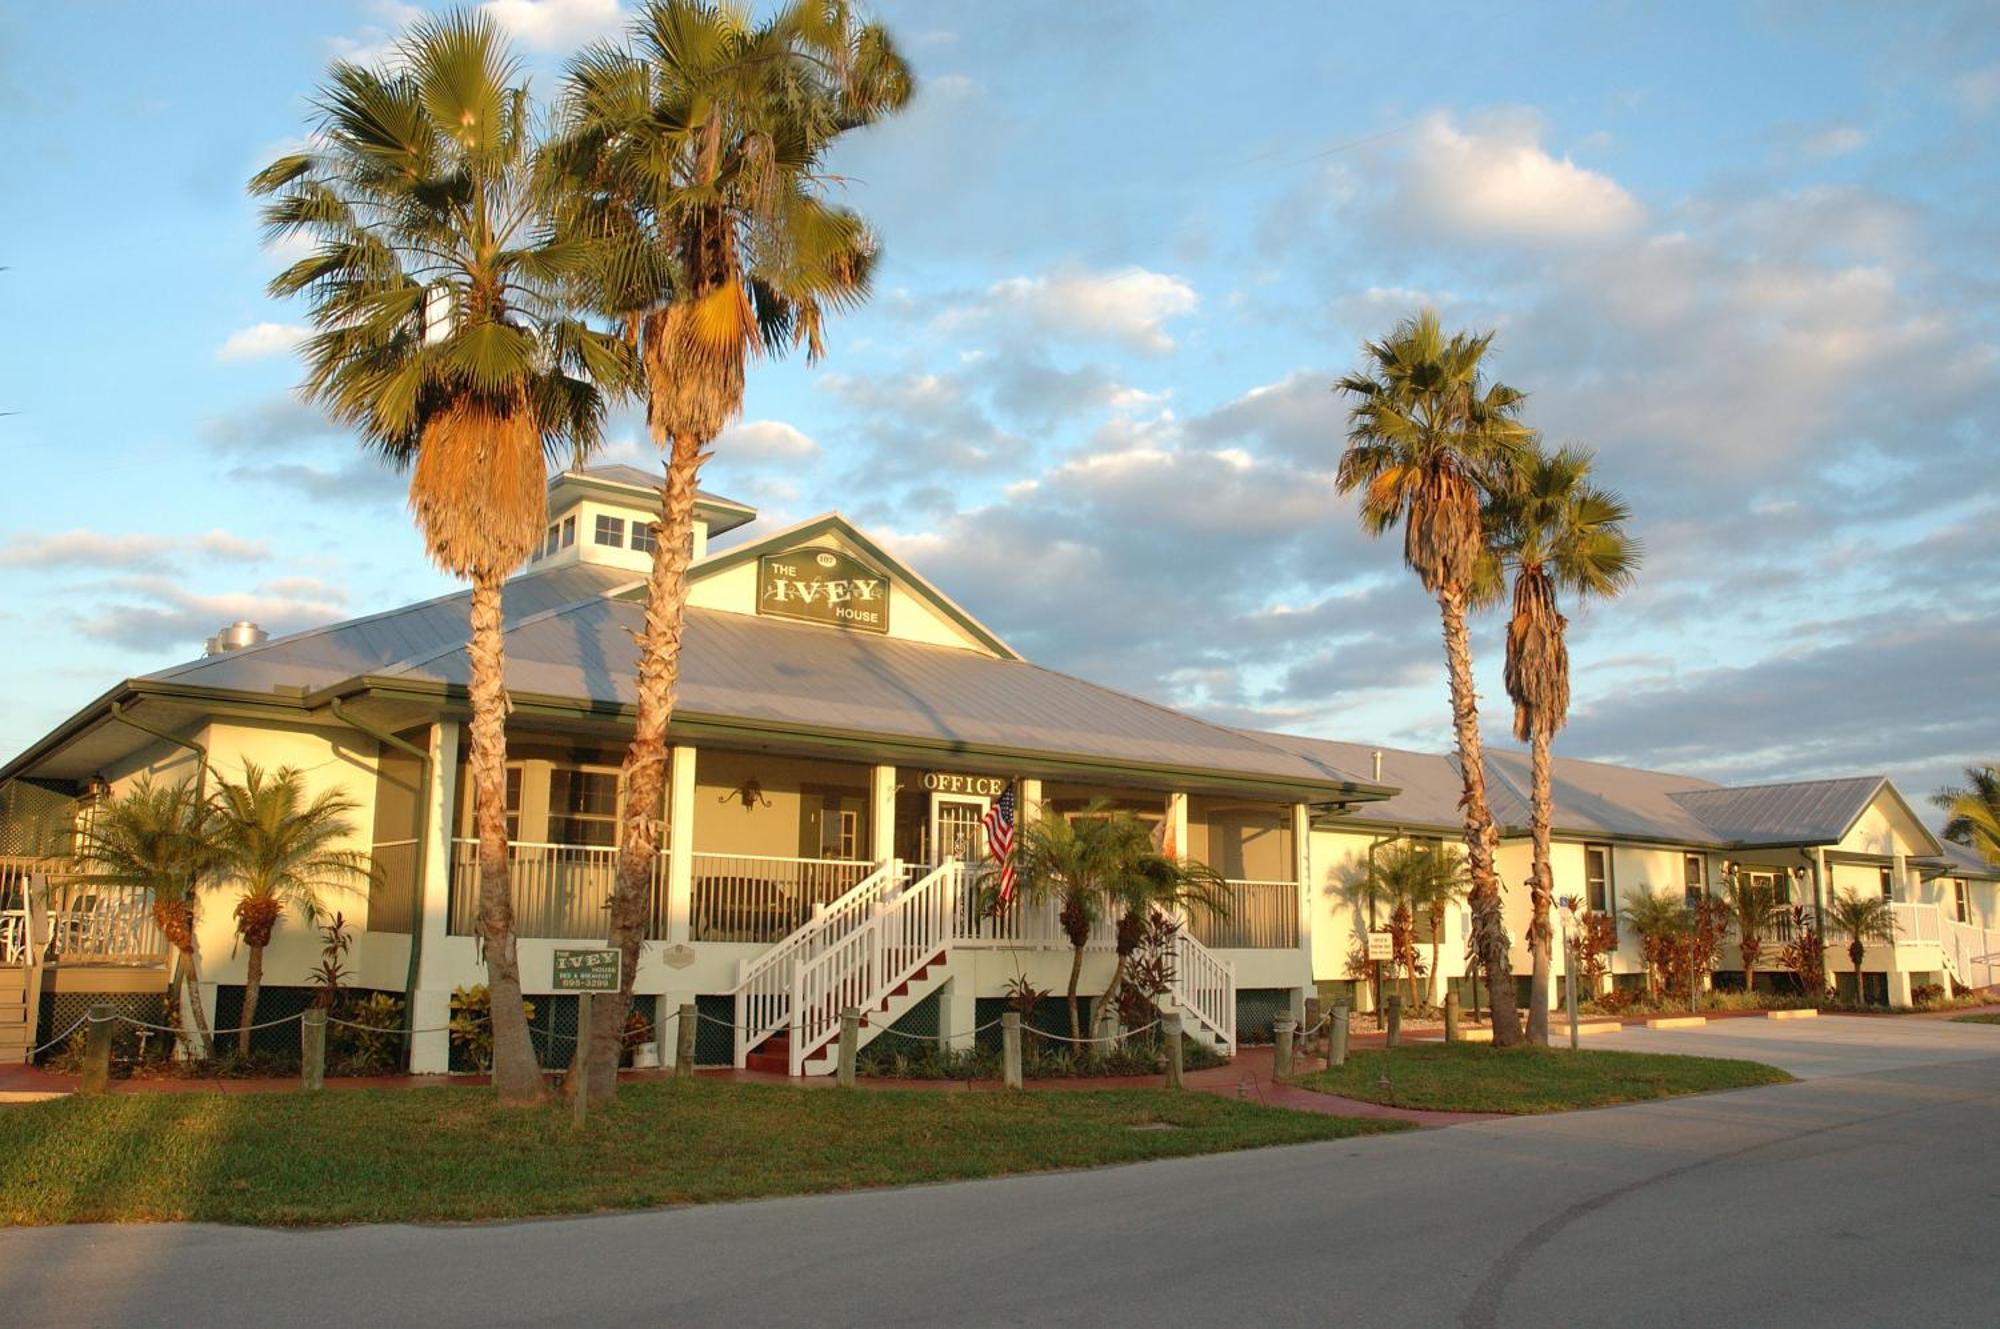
(1959,860)
(1799,812)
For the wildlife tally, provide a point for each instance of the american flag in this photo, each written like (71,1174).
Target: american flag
(999,824)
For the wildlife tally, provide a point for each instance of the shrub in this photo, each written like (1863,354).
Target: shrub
(376,1047)
(1924,996)
(472,1024)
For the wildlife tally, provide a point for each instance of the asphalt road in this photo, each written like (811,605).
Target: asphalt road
(1859,1197)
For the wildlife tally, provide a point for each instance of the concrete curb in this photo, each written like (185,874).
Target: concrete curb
(1677,1022)
(1806,1013)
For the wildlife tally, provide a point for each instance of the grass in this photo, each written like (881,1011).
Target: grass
(454,1154)
(1470,1077)
(1991,1017)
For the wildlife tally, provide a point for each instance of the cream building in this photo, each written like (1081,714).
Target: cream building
(842,728)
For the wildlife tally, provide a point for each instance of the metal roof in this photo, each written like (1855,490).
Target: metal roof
(1804,812)
(1960,860)
(731,513)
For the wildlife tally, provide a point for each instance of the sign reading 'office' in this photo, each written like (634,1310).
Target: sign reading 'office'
(823,586)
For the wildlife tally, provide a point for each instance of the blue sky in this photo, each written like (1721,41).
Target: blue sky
(1745,252)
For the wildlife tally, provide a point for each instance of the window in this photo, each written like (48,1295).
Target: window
(1694,878)
(611,531)
(568,531)
(583,806)
(549,544)
(1960,904)
(850,834)
(1597,877)
(1888,884)
(645,537)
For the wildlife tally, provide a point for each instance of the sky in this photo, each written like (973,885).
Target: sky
(1744,252)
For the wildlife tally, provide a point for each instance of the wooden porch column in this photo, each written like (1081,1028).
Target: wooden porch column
(1302,875)
(680,841)
(1177,822)
(430,1004)
(881,813)
(1029,802)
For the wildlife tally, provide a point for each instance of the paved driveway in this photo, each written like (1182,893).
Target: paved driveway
(1828,1045)
(1857,1199)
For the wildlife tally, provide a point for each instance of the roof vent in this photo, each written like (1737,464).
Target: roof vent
(235,637)
(1378,766)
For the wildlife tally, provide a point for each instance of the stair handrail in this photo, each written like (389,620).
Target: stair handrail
(765,983)
(1204,986)
(904,932)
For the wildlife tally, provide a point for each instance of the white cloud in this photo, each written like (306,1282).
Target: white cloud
(556,25)
(260,340)
(1833,141)
(96,549)
(765,440)
(1978,90)
(158,613)
(1129,307)
(1494,177)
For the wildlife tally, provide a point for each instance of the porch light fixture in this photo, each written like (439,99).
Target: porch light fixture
(749,793)
(96,787)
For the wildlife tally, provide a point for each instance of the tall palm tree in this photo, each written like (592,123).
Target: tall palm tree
(1861,919)
(1660,922)
(1433,892)
(692,159)
(1972,813)
(443,342)
(1754,908)
(160,838)
(1560,534)
(1424,428)
(280,848)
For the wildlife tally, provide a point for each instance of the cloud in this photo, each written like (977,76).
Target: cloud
(1129,307)
(261,340)
(765,441)
(1978,90)
(556,25)
(81,549)
(1493,177)
(1833,141)
(157,614)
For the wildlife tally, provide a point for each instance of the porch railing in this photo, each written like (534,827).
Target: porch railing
(758,898)
(1263,915)
(13,938)
(94,923)
(1020,923)
(561,891)
(1916,924)
(1973,952)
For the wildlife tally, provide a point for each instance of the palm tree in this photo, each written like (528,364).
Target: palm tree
(441,340)
(1862,919)
(281,848)
(692,161)
(1754,907)
(1411,877)
(1661,924)
(1433,893)
(1141,882)
(1972,814)
(1424,428)
(1074,862)
(1560,534)
(159,838)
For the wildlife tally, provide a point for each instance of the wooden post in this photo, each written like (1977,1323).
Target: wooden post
(1395,1038)
(1010,1049)
(97,1050)
(1336,1037)
(850,1043)
(1311,1030)
(312,1049)
(1281,1035)
(684,1040)
(579,1072)
(1451,1017)
(1170,1029)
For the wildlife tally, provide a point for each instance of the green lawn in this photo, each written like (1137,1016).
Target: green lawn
(453,1154)
(1991,1017)
(1473,1077)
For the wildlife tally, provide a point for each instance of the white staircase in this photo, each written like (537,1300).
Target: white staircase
(1204,991)
(1971,954)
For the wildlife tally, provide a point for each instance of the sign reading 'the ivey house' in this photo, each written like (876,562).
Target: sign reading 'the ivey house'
(823,586)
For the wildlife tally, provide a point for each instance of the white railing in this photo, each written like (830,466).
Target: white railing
(93,923)
(1263,915)
(1916,924)
(1972,952)
(13,938)
(901,933)
(1020,924)
(1205,987)
(758,898)
(561,891)
(764,985)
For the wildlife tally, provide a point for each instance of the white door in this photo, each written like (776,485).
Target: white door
(955,829)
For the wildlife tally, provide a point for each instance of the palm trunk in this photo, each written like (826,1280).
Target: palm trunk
(1856,953)
(1075,974)
(253,984)
(1752,950)
(1108,1003)
(192,1011)
(1489,927)
(645,770)
(1540,887)
(516,1075)
(1437,978)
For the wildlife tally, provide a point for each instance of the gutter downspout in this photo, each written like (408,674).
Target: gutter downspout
(423,858)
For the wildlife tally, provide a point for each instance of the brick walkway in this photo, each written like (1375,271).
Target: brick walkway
(1247,1077)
